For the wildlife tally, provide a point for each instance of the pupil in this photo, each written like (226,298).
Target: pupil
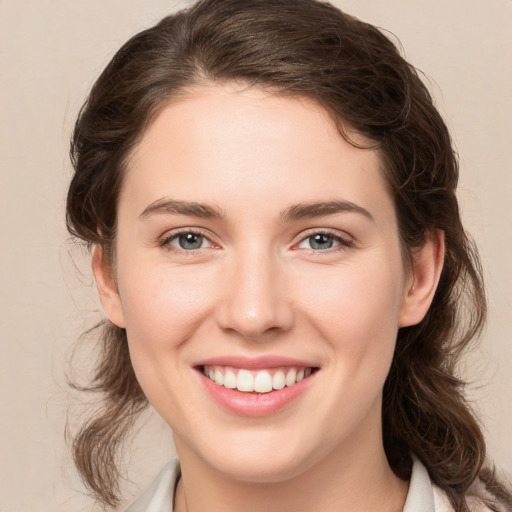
(190,241)
(321,241)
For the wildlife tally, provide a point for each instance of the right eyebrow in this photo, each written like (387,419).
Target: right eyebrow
(174,207)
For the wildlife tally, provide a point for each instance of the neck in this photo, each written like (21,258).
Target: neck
(346,480)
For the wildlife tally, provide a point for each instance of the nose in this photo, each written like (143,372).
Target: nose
(255,302)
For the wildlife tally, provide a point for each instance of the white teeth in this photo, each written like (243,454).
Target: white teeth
(262,381)
(278,381)
(230,379)
(291,377)
(245,381)
(219,378)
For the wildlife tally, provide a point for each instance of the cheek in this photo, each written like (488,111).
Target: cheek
(162,307)
(163,310)
(356,310)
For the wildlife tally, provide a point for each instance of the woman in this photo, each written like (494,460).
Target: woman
(269,194)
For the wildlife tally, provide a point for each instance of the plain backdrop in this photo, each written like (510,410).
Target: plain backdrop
(50,53)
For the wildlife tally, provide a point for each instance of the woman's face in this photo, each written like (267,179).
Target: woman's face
(257,246)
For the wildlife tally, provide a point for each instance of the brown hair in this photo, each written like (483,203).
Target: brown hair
(305,48)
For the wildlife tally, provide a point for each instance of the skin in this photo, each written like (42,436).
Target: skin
(257,287)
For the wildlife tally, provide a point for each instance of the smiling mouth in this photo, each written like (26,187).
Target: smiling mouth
(256,381)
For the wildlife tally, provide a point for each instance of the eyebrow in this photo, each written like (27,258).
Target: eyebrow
(319,209)
(192,209)
(293,212)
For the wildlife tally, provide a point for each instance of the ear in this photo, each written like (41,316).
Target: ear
(422,284)
(107,287)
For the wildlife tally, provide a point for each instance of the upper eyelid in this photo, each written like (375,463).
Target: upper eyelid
(336,233)
(174,233)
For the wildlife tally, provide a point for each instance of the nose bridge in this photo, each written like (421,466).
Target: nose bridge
(255,301)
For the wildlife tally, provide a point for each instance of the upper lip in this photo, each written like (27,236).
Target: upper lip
(255,363)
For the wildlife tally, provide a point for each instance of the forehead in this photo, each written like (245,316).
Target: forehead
(248,142)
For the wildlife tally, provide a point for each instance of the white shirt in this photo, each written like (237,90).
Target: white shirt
(422,496)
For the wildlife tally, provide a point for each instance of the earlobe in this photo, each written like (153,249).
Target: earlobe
(107,287)
(427,266)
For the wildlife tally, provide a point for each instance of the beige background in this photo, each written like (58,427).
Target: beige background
(50,52)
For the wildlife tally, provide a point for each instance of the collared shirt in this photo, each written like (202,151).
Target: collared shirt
(422,496)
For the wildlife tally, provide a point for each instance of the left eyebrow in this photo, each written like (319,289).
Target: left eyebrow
(319,209)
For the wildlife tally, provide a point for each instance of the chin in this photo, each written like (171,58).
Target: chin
(265,460)
(259,469)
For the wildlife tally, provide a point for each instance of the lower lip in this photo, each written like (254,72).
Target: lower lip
(261,404)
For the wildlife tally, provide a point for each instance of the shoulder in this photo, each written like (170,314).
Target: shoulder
(475,504)
(424,495)
(159,496)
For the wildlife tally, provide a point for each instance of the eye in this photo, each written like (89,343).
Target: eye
(324,242)
(186,241)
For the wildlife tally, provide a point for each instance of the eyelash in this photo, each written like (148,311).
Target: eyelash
(344,240)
